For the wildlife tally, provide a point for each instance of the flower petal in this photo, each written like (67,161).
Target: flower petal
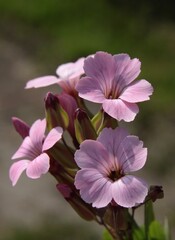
(26,150)
(120,109)
(94,188)
(90,89)
(137,92)
(41,82)
(16,170)
(101,67)
(53,136)
(131,155)
(129,191)
(127,69)
(92,154)
(111,139)
(38,166)
(71,69)
(36,133)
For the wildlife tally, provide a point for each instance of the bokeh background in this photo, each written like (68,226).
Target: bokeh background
(37,36)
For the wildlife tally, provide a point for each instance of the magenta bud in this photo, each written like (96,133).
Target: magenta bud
(51,101)
(21,127)
(55,114)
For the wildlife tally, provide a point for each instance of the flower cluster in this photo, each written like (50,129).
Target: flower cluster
(94,172)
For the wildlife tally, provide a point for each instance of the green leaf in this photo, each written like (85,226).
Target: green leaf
(149,216)
(156,231)
(139,234)
(106,235)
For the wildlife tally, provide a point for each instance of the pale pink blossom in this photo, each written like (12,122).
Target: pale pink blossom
(105,167)
(32,153)
(68,76)
(110,81)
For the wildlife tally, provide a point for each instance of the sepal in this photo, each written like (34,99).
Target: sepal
(102,120)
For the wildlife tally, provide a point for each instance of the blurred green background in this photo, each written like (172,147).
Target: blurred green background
(37,36)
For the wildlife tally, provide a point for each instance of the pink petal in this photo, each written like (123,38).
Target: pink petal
(92,154)
(127,69)
(120,109)
(64,71)
(131,155)
(90,89)
(103,193)
(129,191)
(53,137)
(94,188)
(137,92)
(36,133)
(41,82)
(38,166)
(111,139)
(101,67)
(68,85)
(21,127)
(26,150)
(16,170)
(71,70)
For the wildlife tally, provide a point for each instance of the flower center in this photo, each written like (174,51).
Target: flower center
(115,175)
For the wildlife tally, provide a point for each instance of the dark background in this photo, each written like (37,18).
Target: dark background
(37,36)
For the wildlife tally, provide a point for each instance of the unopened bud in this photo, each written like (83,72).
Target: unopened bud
(21,127)
(55,114)
(83,126)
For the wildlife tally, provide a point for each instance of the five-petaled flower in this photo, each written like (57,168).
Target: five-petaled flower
(68,76)
(105,166)
(32,151)
(110,81)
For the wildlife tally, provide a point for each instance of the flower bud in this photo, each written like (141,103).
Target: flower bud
(83,126)
(55,114)
(21,127)
(102,120)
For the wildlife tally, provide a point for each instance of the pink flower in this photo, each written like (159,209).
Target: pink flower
(32,151)
(109,81)
(105,165)
(68,76)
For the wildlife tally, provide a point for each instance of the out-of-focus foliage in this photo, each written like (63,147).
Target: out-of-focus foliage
(65,30)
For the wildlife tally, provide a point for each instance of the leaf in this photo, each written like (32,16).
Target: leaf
(106,235)
(156,231)
(149,216)
(139,234)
